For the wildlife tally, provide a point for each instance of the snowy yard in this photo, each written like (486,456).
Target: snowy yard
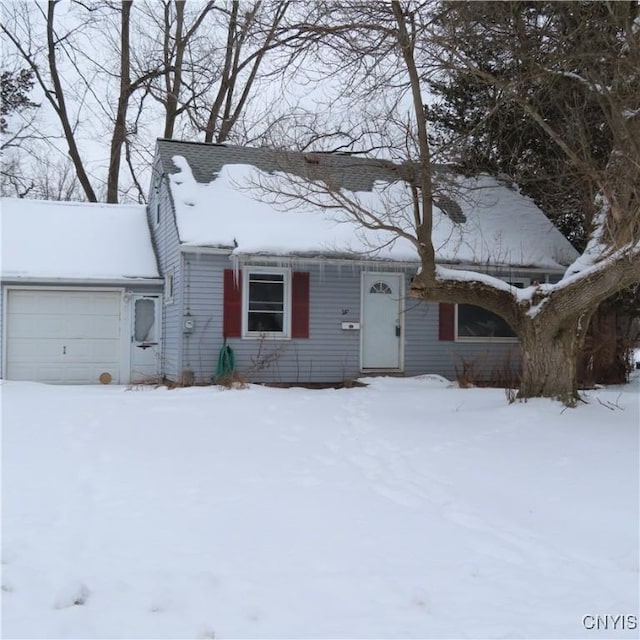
(407,509)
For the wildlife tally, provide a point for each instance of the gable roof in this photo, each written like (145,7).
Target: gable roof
(231,197)
(74,241)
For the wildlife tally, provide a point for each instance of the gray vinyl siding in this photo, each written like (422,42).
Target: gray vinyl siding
(202,300)
(2,294)
(426,353)
(330,354)
(167,247)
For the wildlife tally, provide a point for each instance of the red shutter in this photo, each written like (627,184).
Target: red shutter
(447,318)
(300,304)
(232,313)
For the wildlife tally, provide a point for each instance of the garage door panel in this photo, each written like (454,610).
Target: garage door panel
(57,351)
(26,302)
(80,374)
(63,336)
(33,350)
(50,302)
(45,326)
(76,327)
(51,374)
(59,326)
(98,305)
(106,305)
(92,350)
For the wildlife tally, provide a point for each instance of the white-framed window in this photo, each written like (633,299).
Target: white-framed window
(475,324)
(156,207)
(266,304)
(169,286)
(144,320)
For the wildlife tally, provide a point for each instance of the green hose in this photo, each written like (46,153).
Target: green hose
(226,363)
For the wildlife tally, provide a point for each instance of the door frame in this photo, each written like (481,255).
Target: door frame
(136,295)
(401,289)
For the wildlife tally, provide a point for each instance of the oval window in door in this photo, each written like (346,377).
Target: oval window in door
(145,320)
(380,287)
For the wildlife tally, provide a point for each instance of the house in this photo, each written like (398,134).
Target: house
(300,293)
(247,247)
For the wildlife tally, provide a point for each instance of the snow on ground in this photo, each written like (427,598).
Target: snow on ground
(407,509)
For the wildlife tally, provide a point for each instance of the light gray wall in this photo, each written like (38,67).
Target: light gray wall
(330,354)
(2,294)
(426,353)
(167,247)
(202,299)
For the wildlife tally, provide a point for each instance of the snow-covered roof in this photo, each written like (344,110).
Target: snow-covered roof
(233,197)
(74,241)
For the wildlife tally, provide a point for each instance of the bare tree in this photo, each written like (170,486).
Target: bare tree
(128,87)
(487,131)
(387,51)
(249,37)
(50,178)
(598,48)
(214,67)
(175,43)
(52,87)
(201,63)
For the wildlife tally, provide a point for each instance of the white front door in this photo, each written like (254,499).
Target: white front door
(381,320)
(145,338)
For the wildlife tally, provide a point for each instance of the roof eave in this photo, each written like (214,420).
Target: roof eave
(113,281)
(357,259)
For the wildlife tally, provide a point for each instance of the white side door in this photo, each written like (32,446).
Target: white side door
(145,338)
(381,321)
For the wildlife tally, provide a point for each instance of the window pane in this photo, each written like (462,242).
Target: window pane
(380,287)
(265,322)
(476,322)
(265,313)
(266,292)
(168,285)
(268,277)
(144,325)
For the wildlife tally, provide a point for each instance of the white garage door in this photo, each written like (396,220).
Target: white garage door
(69,337)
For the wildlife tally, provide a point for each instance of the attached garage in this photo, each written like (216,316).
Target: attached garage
(68,337)
(80,293)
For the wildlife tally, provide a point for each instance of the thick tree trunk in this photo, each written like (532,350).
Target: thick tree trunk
(550,358)
(120,124)
(59,104)
(174,86)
